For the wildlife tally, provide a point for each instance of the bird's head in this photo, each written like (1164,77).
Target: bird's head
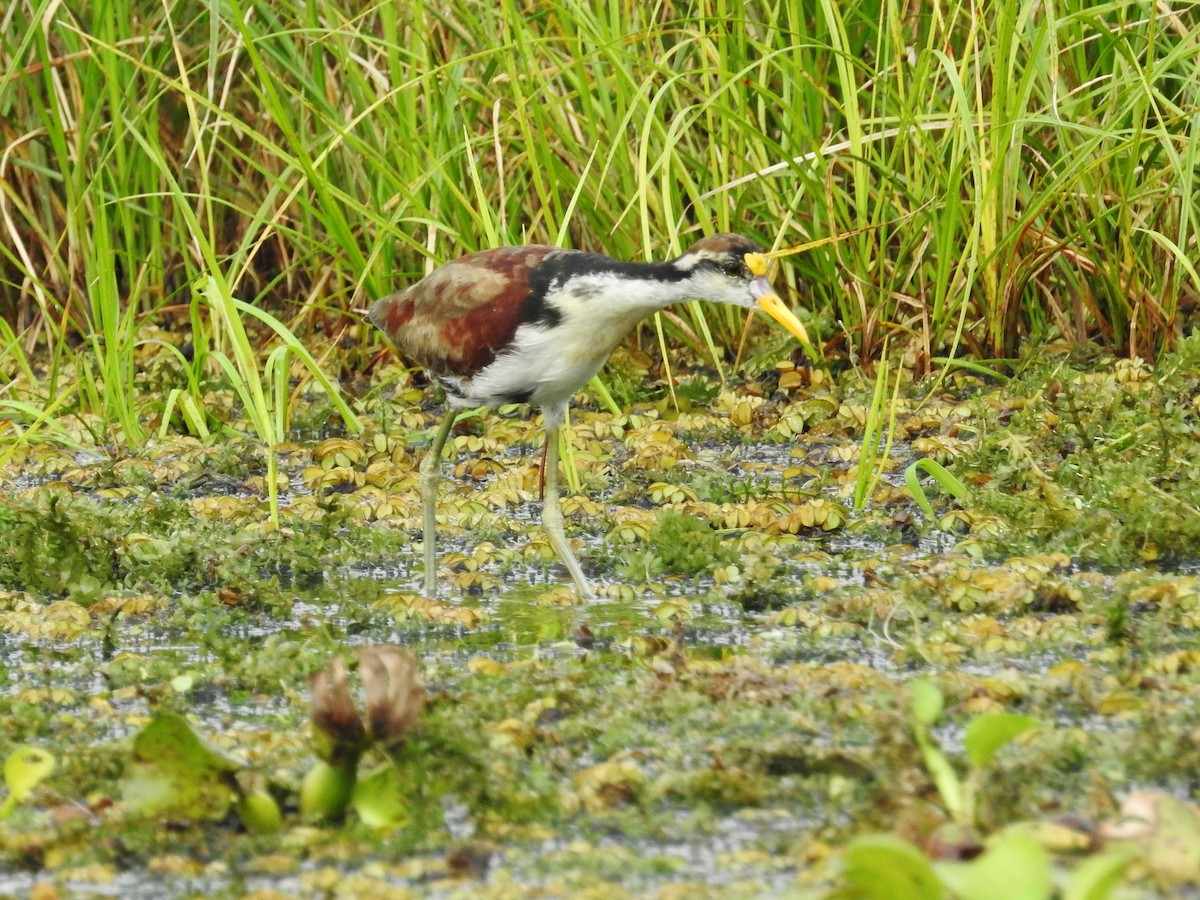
(727,268)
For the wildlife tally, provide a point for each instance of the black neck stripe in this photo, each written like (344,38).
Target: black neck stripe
(559,268)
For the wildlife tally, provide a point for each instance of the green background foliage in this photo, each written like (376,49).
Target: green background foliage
(1000,172)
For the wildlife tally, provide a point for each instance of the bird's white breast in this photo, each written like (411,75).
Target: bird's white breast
(550,363)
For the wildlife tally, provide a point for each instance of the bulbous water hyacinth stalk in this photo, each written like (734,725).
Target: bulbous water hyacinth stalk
(392,698)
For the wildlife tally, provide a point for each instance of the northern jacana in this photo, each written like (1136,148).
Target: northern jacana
(533,324)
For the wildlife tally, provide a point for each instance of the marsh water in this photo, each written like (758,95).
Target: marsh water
(732,709)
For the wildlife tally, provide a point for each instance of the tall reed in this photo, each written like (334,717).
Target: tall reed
(1005,172)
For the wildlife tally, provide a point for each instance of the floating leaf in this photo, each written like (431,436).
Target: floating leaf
(485,665)
(1165,831)
(884,867)
(24,770)
(1013,867)
(1056,837)
(1117,702)
(670,611)
(608,784)
(378,798)
(987,733)
(1095,878)
(174,771)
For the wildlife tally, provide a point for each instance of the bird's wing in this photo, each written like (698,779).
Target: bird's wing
(460,316)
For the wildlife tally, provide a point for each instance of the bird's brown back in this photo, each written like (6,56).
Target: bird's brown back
(456,319)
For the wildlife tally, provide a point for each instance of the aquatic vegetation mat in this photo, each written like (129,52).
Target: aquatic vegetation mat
(787,685)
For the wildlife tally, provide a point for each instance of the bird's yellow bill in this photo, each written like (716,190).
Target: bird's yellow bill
(769,302)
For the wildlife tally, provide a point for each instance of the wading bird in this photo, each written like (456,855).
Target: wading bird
(533,325)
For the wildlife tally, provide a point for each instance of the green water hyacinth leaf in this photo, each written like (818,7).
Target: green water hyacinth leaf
(24,770)
(885,867)
(174,771)
(987,733)
(1015,866)
(949,785)
(927,701)
(926,704)
(378,798)
(1095,877)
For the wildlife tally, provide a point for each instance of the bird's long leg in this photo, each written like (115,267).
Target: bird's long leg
(552,519)
(431,472)
(542,472)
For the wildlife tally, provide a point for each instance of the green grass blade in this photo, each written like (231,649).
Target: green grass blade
(944,479)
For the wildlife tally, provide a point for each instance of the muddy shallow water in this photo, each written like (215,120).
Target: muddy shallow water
(735,712)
